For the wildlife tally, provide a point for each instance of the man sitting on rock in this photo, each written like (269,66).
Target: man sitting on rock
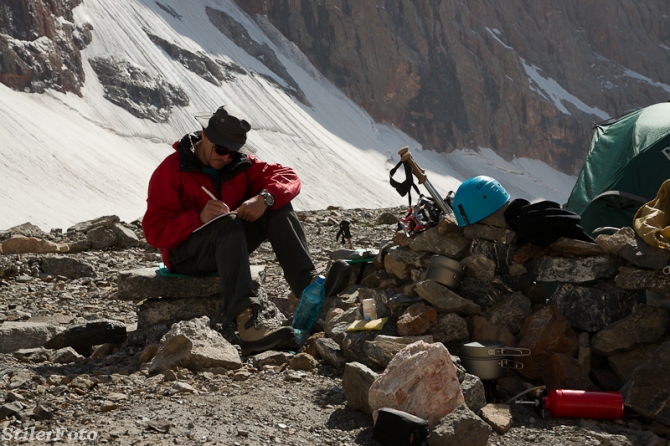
(211,203)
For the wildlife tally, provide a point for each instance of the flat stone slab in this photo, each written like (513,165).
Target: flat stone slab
(575,270)
(144,283)
(168,310)
(19,335)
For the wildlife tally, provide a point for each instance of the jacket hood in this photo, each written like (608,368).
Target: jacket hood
(186,149)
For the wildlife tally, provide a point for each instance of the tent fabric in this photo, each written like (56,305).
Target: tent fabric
(630,154)
(652,220)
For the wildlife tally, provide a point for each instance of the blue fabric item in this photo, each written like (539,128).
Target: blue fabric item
(214,173)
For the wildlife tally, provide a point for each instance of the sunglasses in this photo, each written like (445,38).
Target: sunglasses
(223,151)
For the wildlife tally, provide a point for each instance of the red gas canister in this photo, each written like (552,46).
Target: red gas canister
(564,403)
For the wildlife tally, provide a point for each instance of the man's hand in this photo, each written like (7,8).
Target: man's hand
(212,209)
(252,209)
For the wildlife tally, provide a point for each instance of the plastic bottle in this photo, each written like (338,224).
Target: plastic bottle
(308,309)
(369,310)
(563,403)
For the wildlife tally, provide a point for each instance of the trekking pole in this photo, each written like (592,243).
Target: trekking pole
(421,176)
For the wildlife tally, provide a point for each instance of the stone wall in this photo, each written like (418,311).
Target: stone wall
(594,315)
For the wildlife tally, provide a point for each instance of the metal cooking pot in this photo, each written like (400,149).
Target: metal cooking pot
(446,271)
(487,359)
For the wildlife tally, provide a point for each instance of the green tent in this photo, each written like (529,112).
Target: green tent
(628,160)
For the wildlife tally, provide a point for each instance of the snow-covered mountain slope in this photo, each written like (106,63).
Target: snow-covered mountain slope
(66,158)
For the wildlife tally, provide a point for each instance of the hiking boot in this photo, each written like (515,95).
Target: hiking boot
(338,278)
(257,337)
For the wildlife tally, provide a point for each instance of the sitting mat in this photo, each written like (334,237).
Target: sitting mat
(165,272)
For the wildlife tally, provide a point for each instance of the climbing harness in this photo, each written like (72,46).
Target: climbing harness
(424,214)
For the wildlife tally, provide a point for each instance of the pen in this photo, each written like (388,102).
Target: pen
(209,193)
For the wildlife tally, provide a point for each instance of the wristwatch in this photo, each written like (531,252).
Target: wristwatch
(267,197)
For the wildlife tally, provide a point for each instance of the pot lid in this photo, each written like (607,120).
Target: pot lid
(480,348)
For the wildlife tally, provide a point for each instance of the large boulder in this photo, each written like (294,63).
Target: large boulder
(421,380)
(195,346)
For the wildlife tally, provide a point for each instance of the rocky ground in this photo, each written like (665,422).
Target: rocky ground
(111,398)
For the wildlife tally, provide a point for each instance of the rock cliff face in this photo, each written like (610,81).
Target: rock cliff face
(39,45)
(523,78)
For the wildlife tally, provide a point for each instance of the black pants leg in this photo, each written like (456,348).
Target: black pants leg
(282,228)
(224,247)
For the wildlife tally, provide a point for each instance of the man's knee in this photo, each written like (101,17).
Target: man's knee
(223,226)
(283,213)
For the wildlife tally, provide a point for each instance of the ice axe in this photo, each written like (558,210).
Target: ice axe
(420,175)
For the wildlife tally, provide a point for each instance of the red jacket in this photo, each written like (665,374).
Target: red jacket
(176,197)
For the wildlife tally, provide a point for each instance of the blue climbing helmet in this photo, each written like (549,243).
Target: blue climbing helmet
(477,198)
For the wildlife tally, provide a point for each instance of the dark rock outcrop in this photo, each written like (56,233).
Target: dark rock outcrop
(200,64)
(40,45)
(239,35)
(132,88)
